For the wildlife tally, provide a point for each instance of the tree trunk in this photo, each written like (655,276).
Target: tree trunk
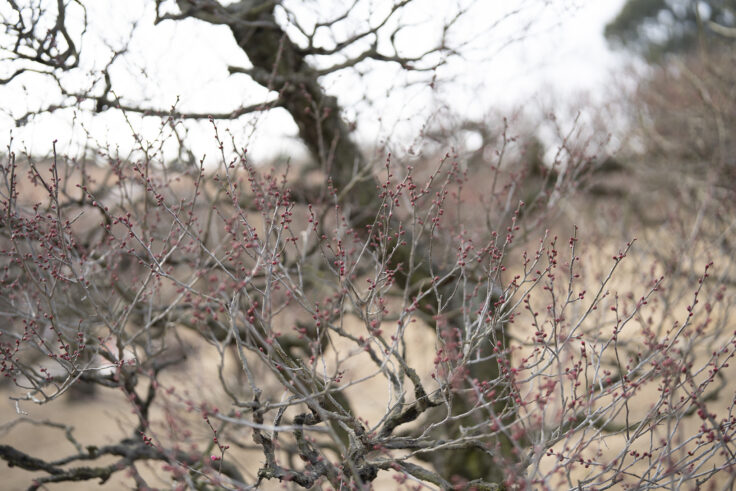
(280,65)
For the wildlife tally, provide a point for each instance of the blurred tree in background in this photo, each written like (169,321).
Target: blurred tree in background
(680,143)
(654,28)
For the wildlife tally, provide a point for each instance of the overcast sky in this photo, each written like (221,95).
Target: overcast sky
(557,51)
